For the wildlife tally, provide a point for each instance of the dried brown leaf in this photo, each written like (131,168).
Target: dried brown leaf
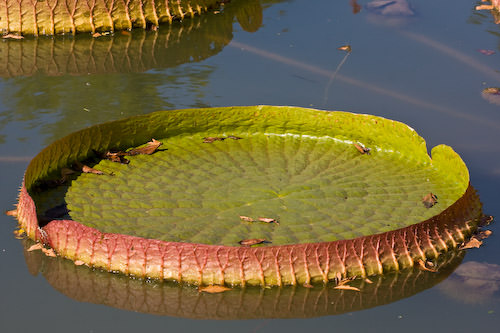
(485,7)
(346,48)
(79,262)
(429,200)
(423,267)
(37,246)
(268,220)
(12,212)
(148,149)
(492,90)
(233,137)
(96,35)
(210,139)
(86,169)
(345,281)
(483,234)
(254,241)
(356,8)
(362,150)
(307,285)
(213,289)
(472,243)
(117,157)
(48,252)
(346,287)
(12,36)
(246,218)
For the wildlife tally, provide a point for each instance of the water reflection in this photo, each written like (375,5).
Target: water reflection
(478,283)
(192,40)
(390,12)
(93,286)
(69,82)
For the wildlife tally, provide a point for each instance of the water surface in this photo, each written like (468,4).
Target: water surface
(422,69)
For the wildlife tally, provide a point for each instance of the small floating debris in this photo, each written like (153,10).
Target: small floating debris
(472,243)
(268,220)
(210,139)
(423,266)
(254,241)
(12,36)
(346,287)
(246,218)
(343,284)
(34,247)
(86,169)
(213,289)
(477,240)
(260,219)
(486,52)
(346,48)
(492,90)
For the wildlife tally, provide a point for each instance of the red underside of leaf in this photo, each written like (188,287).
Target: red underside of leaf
(270,265)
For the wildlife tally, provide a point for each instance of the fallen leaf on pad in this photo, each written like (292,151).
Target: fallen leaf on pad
(148,149)
(250,242)
(210,139)
(429,200)
(86,169)
(268,220)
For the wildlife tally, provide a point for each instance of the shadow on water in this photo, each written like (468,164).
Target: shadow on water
(84,284)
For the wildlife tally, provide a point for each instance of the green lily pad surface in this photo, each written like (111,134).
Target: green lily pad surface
(299,167)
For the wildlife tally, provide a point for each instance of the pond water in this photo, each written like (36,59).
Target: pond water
(420,65)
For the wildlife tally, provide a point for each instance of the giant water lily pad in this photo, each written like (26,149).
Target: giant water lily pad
(297,180)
